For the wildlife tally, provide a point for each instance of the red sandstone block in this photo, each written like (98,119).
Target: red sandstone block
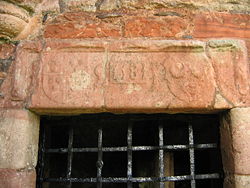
(127,77)
(221,25)
(140,75)
(81,25)
(154,26)
(17,179)
(92,30)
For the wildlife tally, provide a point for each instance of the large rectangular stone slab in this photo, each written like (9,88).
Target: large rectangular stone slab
(78,76)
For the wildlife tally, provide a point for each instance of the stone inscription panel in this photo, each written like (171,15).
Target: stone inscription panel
(159,77)
(159,80)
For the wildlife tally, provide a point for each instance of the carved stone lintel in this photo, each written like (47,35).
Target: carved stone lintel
(115,75)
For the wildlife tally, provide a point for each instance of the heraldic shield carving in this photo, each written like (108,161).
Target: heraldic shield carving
(66,79)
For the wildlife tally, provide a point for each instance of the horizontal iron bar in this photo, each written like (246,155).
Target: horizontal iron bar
(133,179)
(135,148)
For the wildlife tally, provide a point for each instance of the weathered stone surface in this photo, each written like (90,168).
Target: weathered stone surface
(248,48)
(76,5)
(4,67)
(82,25)
(222,25)
(13,19)
(6,58)
(29,5)
(235,138)
(26,65)
(116,75)
(242,181)
(6,99)
(19,132)
(237,181)
(7,55)
(6,50)
(51,6)
(219,5)
(107,5)
(17,179)
(174,77)
(12,9)
(141,19)
(162,23)
(10,26)
(155,27)
(231,70)
(26,1)
(71,82)
(32,30)
(239,6)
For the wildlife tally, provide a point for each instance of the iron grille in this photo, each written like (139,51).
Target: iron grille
(164,138)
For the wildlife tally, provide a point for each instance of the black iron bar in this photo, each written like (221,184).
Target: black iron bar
(70,154)
(41,158)
(136,179)
(136,148)
(129,154)
(191,155)
(161,153)
(99,163)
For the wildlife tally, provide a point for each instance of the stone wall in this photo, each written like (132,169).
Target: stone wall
(71,56)
(45,27)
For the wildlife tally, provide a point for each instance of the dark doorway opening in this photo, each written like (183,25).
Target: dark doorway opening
(133,151)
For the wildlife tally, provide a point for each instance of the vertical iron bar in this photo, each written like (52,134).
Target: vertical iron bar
(129,153)
(41,158)
(99,163)
(191,155)
(70,154)
(161,153)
